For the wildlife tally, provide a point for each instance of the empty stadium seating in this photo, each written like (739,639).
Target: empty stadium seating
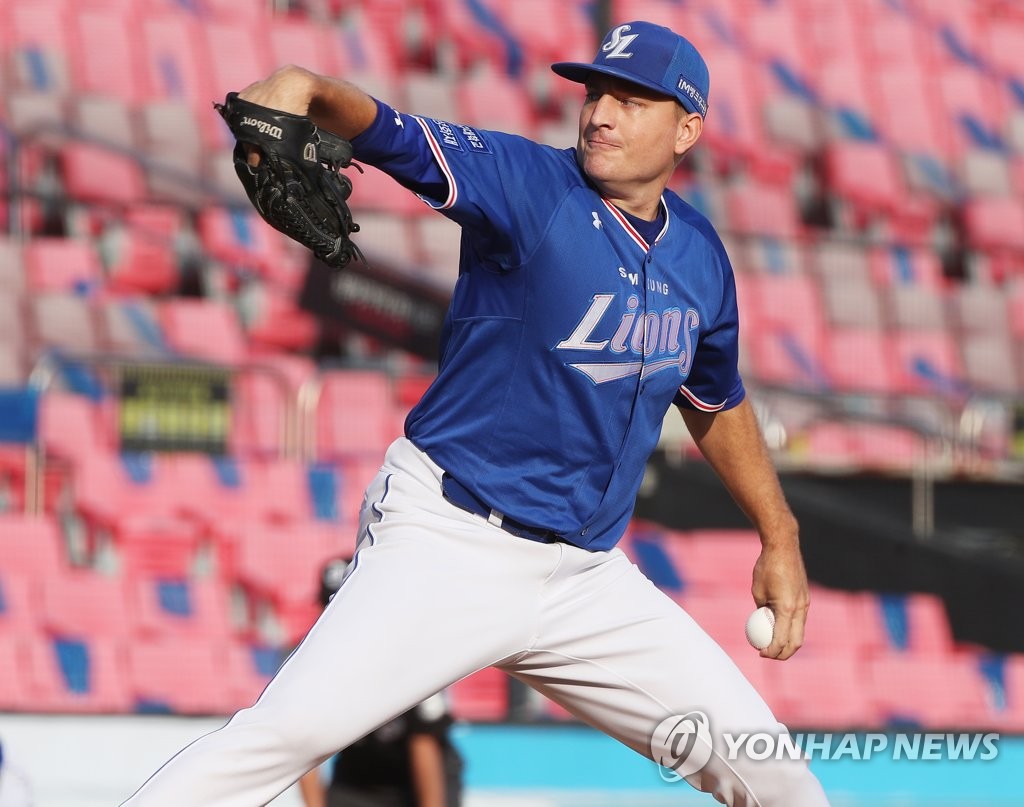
(904,117)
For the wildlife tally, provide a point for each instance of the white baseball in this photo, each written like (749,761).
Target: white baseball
(761,627)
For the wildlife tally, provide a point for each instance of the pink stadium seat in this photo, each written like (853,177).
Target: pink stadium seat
(857,359)
(183,675)
(491,100)
(77,675)
(994,223)
(839,624)
(379,192)
(236,51)
(250,668)
(16,686)
(824,692)
(84,604)
(61,264)
(300,41)
(69,427)
(96,174)
(908,113)
(355,414)
(774,298)
(788,357)
(756,209)
(114,66)
(936,692)
(722,613)
(31,546)
(926,362)
(203,329)
(175,64)
(390,239)
(469,41)
(736,104)
(268,555)
(277,323)
(187,607)
(40,43)
(64,320)
(239,238)
(1012,713)
(142,263)
(866,175)
(482,696)
(19,606)
(157,546)
(716,560)
(884,447)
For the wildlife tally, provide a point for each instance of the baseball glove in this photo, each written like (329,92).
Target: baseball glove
(298,187)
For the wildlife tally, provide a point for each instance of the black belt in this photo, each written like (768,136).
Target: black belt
(456,493)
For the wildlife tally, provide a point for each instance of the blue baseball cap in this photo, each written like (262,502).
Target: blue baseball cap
(652,56)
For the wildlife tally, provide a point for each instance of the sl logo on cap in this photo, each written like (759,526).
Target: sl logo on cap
(617,43)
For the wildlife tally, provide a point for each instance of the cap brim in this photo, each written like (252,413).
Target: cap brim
(581,71)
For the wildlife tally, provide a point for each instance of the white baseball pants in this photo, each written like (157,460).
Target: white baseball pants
(437,593)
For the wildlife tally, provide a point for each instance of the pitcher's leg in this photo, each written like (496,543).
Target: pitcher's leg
(424,604)
(622,656)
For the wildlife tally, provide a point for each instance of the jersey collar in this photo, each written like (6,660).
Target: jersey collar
(631,231)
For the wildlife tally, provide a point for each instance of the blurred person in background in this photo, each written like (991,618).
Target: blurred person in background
(410,761)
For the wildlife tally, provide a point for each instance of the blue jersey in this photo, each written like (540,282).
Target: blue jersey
(569,336)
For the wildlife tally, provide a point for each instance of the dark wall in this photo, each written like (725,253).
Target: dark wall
(856,534)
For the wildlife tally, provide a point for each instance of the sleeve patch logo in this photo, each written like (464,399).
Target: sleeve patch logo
(459,137)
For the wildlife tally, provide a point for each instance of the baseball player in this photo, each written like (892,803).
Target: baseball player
(590,300)
(410,761)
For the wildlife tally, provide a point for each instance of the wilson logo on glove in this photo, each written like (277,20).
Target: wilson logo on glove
(297,186)
(264,128)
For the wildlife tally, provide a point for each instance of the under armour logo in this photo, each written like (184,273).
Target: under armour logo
(398,120)
(617,43)
(596,222)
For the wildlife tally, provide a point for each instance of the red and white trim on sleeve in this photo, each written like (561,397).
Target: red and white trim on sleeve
(438,152)
(703,406)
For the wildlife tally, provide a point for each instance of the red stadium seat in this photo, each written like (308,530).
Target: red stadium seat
(926,362)
(935,692)
(84,604)
(723,613)
(186,607)
(824,692)
(300,41)
(96,174)
(355,414)
(866,175)
(490,100)
(756,209)
(267,555)
(19,603)
(106,56)
(857,360)
(994,223)
(716,560)
(482,696)
(16,684)
(31,546)
(182,675)
(61,264)
(157,546)
(203,329)
(77,675)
